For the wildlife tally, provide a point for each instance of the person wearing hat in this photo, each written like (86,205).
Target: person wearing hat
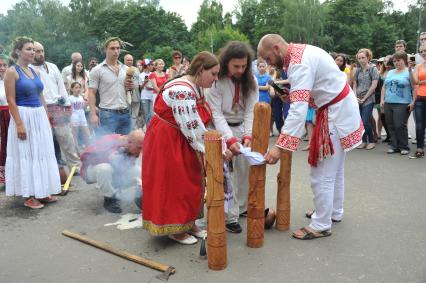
(147,91)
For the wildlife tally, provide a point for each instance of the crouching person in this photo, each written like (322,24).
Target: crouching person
(111,163)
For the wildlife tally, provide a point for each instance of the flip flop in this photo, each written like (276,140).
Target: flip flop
(308,214)
(310,235)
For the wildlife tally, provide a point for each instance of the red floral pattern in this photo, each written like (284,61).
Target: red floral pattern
(288,142)
(352,139)
(300,95)
(294,54)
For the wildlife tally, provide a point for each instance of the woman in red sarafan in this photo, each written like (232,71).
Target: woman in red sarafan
(172,173)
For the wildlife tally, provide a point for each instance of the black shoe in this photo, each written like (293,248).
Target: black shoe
(243,214)
(233,227)
(112,205)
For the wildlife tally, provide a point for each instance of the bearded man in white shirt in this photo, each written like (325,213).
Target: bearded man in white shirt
(316,80)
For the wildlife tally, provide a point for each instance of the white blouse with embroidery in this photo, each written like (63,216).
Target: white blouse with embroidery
(182,100)
(315,81)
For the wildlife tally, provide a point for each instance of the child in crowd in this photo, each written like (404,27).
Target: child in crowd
(78,117)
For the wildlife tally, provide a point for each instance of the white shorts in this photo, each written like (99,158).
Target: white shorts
(78,119)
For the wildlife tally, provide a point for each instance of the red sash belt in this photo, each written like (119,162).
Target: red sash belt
(320,145)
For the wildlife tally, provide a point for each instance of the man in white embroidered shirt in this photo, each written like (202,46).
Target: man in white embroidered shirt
(316,80)
(232,99)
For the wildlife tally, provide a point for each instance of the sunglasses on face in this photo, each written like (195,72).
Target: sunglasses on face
(177,57)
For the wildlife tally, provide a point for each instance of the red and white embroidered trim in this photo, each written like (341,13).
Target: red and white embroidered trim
(294,54)
(300,95)
(353,138)
(288,142)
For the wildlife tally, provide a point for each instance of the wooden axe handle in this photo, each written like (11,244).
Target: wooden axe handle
(123,254)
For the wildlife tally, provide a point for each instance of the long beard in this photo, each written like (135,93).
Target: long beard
(236,80)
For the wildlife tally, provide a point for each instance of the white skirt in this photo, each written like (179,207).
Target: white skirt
(31,168)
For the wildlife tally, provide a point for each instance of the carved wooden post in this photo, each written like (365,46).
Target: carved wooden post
(256,198)
(216,236)
(283,193)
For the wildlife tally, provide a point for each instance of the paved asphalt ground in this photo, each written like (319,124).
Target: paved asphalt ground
(381,239)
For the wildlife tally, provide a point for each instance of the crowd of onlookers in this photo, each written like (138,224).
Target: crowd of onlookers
(113,97)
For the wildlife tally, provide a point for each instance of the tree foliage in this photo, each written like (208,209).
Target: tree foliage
(335,25)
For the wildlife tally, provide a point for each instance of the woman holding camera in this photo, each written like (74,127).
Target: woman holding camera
(397,103)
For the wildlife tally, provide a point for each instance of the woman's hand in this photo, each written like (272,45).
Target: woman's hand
(22,133)
(227,155)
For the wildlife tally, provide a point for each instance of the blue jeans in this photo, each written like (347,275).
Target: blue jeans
(146,105)
(114,123)
(366,112)
(420,114)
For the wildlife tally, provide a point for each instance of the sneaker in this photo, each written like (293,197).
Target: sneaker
(112,205)
(404,152)
(391,150)
(362,146)
(33,203)
(370,146)
(233,227)
(414,141)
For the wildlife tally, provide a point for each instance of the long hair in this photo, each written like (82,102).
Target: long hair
(74,70)
(342,68)
(238,50)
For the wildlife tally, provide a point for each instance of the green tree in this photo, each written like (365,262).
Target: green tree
(215,39)
(245,14)
(210,15)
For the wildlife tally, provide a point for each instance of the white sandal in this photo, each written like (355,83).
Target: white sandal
(190,240)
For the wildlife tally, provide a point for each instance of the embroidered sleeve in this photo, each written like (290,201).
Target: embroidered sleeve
(301,79)
(182,101)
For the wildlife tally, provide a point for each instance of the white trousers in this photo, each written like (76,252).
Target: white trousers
(240,182)
(327,183)
(109,183)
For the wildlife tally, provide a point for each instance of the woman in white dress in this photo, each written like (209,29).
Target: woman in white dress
(31,169)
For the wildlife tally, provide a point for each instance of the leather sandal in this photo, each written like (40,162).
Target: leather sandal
(309,234)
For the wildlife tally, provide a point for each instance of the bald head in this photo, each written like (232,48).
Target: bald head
(128,60)
(39,53)
(272,48)
(269,40)
(134,142)
(76,56)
